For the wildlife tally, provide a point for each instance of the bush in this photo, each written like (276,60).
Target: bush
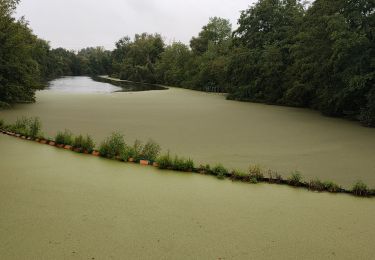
(65,138)
(113,146)
(256,173)
(240,175)
(317,185)
(35,127)
(78,141)
(165,161)
(2,123)
(182,164)
(88,144)
(151,150)
(21,126)
(136,150)
(295,179)
(219,171)
(360,189)
(84,143)
(331,186)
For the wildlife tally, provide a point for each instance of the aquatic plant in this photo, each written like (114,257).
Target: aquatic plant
(21,126)
(65,138)
(35,126)
(182,164)
(165,161)
(255,173)
(113,146)
(219,171)
(239,175)
(316,185)
(360,189)
(295,178)
(331,186)
(151,150)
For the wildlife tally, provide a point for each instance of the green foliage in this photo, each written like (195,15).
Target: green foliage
(21,126)
(35,126)
(182,164)
(113,146)
(331,186)
(295,178)
(256,173)
(150,150)
(165,161)
(219,171)
(317,185)
(360,189)
(84,143)
(178,163)
(2,123)
(65,138)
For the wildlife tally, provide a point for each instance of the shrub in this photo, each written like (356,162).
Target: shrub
(2,123)
(35,127)
(21,126)
(113,146)
(219,171)
(256,172)
(182,164)
(151,150)
(360,189)
(136,150)
(165,161)
(65,138)
(88,144)
(239,175)
(331,186)
(295,178)
(317,185)
(78,141)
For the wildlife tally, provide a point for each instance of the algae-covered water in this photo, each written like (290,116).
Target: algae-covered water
(57,204)
(210,129)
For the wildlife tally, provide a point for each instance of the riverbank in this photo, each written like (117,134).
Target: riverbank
(129,86)
(254,175)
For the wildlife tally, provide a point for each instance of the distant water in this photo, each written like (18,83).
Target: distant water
(81,85)
(210,129)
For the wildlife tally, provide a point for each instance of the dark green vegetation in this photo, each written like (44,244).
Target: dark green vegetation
(115,147)
(319,56)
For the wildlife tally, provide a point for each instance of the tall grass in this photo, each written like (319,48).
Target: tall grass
(219,171)
(65,138)
(360,189)
(295,178)
(113,146)
(84,143)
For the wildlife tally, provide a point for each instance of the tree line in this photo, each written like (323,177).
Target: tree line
(285,52)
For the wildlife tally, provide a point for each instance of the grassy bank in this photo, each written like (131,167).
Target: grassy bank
(115,147)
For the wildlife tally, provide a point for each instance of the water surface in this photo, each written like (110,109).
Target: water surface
(57,204)
(210,129)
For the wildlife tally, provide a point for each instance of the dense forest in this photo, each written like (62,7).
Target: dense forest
(318,55)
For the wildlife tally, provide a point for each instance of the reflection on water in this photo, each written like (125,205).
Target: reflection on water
(128,86)
(81,85)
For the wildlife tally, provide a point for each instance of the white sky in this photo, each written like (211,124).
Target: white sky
(75,24)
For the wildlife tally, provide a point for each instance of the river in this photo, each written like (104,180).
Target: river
(210,129)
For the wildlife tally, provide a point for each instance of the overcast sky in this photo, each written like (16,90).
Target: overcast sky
(75,24)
